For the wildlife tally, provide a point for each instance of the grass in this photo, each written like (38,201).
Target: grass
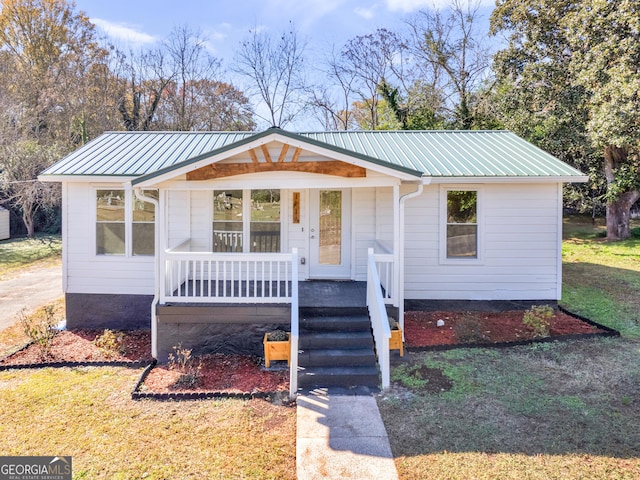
(601,280)
(87,413)
(561,410)
(18,253)
(546,411)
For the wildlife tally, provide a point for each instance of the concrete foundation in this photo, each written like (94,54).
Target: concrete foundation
(231,329)
(99,311)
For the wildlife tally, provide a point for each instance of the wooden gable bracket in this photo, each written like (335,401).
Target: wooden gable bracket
(330,167)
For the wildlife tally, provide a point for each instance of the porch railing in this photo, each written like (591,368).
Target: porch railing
(205,277)
(379,318)
(384,266)
(295,334)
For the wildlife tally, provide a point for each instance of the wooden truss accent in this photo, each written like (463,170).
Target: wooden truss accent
(331,167)
(261,161)
(283,153)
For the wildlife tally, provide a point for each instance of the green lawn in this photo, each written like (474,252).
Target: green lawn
(565,410)
(601,280)
(88,413)
(18,253)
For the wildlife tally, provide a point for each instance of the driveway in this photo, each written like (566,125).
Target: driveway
(31,288)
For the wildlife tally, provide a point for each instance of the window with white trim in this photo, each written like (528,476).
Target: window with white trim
(125,225)
(462,224)
(110,222)
(246,214)
(143,232)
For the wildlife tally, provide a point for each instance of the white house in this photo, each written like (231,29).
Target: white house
(205,235)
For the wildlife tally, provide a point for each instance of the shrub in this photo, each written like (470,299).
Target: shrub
(39,328)
(278,336)
(538,319)
(182,361)
(393,324)
(110,343)
(468,329)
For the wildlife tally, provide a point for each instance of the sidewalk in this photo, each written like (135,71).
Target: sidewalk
(341,437)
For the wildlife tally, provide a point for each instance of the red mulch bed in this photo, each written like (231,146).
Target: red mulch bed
(221,373)
(78,346)
(421,330)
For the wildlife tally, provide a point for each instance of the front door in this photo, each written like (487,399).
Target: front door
(330,234)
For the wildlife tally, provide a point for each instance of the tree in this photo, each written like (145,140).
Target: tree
(450,51)
(48,55)
(23,162)
(47,45)
(143,78)
(275,69)
(574,65)
(371,60)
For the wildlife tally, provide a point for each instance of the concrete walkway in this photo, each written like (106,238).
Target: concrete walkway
(341,437)
(30,289)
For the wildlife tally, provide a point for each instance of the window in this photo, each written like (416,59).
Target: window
(265,220)
(124,224)
(241,214)
(227,221)
(462,224)
(110,222)
(143,227)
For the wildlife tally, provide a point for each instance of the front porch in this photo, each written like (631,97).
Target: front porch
(224,303)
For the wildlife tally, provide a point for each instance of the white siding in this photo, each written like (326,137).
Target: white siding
(384,217)
(519,258)
(201,220)
(87,272)
(178,217)
(363,204)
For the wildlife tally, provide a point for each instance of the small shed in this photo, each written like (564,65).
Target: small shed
(4,223)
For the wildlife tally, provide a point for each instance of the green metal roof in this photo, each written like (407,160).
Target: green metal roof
(430,153)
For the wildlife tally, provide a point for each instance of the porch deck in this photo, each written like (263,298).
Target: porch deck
(311,293)
(332,294)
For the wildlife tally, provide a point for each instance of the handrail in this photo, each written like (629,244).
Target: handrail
(294,335)
(379,319)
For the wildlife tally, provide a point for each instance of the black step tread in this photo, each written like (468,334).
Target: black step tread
(338,376)
(337,356)
(340,371)
(339,323)
(330,340)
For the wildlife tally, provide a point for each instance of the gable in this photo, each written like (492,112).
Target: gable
(276,157)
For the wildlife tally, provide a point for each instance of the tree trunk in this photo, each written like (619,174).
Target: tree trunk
(618,210)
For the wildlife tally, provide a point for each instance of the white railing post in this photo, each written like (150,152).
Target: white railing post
(379,319)
(293,360)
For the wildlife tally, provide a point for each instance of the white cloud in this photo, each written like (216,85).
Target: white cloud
(366,13)
(413,5)
(124,33)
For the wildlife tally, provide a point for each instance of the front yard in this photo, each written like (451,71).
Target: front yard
(563,410)
(88,413)
(560,410)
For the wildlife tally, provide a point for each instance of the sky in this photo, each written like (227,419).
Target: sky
(321,23)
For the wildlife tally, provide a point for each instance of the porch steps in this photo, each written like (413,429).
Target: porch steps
(336,350)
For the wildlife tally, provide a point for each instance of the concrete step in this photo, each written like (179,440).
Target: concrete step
(315,340)
(337,357)
(340,323)
(345,377)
